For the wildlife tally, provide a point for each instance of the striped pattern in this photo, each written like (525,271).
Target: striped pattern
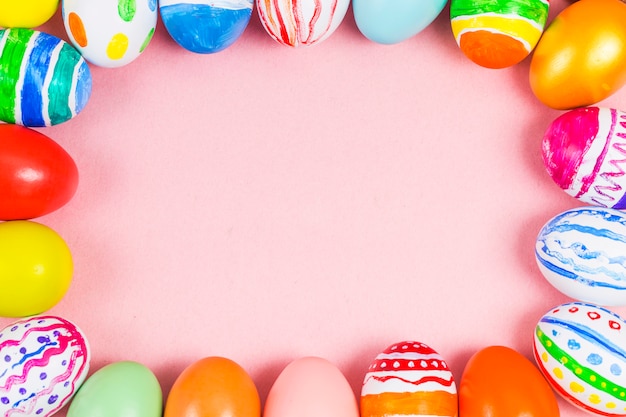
(581,349)
(408,379)
(301,22)
(498,34)
(44,81)
(581,252)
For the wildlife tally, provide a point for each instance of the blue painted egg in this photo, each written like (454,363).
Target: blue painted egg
(393,21)
(582,253)
(581,350)
(205,26)
(44,81)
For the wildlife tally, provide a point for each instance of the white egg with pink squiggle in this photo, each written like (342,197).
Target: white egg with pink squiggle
(409,379)
(43,362)
(301,23)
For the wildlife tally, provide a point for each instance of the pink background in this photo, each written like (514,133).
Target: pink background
(266,203)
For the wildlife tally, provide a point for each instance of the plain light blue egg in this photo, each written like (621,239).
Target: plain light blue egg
(393,21)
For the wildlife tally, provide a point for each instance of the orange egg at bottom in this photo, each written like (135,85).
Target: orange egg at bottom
(213,387)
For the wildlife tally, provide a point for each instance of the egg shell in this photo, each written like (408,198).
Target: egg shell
(393,21)
(36,268)
(581,253)
(110,33)
(122,389)
(407,379)
(37,176)
(26,13)
(204,26)
(581,350)
(301,23)
(44,82)
(43,361)
(584,151)
(215,387)
(498,33)
(311,387)
(581,59)
(499,381)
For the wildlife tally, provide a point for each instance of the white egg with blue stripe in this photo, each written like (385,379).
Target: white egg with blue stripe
(582,253)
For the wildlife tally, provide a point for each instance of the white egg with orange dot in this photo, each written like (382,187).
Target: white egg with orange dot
(110,33)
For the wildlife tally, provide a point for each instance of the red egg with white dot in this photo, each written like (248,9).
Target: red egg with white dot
(407,379)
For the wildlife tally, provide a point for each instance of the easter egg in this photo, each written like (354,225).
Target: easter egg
(43,361)
(409,379)
(499,381)
(581,253)
(35,268)
(301,23)
(311,387)
(581,58)
(110,33)
(393,21)
(584,150)
(215,387)
(581,350)
(26,13)
(498,33)
(205,26)
(37,176)
(119,389)
(44,80)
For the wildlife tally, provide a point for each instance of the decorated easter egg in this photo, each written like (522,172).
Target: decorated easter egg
(26,13)
(498,33)
(37,176)
(205,26)
(581,59)
(44,81)
(393,21)
(215,387)
(581,253)
(301,23)
(581,350)
(583,151)
(409,379)
(43,361)
(110,33)
(35,268)
(311,387)
(119,389)
(499,381)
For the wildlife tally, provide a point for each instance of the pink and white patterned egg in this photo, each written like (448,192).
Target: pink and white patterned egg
(43,362)
(301,23)
(584,151)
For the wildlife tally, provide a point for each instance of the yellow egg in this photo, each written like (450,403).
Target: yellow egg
(35,268)
(26,13)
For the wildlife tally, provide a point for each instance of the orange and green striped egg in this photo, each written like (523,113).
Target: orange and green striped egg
(500,33)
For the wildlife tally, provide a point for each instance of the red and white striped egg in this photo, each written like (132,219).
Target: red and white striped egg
(407,379)
(301,23)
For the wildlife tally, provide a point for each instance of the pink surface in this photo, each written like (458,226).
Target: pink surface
(266,203)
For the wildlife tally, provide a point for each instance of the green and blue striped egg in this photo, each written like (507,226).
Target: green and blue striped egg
(110,33)
(498,33)
(581,350)
(44,81)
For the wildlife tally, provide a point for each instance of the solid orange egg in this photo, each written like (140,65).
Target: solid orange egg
(213,387)
(498,381)
(581,57)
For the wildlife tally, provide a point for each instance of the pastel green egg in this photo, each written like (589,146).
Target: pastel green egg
(120,389)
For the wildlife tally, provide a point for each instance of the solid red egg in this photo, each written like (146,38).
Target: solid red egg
(498,381)
(37,176)
(213,387)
